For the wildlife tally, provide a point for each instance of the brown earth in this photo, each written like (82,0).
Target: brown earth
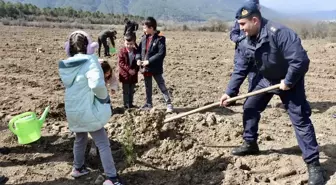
(194,150)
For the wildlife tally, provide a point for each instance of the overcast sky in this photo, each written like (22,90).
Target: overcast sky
(300,5)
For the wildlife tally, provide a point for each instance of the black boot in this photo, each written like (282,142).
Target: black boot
(247,148)
(315,173)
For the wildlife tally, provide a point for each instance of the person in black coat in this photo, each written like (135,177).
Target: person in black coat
(130,27)
(102,40)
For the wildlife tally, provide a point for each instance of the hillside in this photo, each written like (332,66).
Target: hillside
(23,13)
(320,15)
(186,10)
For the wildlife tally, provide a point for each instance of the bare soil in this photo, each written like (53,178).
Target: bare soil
(193,150)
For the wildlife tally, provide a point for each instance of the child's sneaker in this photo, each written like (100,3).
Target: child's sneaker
(79,172)
(170,108)
(146,107)
(112,181)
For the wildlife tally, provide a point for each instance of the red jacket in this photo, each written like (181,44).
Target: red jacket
(124,67)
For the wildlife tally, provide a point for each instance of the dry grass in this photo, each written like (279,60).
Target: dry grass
(19,22)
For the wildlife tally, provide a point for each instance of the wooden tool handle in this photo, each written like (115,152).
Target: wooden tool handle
(218,103)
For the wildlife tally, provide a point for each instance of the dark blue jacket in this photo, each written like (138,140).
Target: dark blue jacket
(242,68)
(155,55)
(236,35)
(278,54)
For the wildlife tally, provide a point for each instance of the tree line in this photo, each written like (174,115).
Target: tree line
(31,12)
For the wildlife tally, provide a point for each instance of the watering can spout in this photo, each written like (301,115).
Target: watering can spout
(44,115)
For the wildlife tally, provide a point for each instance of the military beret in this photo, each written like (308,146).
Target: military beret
(247,9)
(253,1)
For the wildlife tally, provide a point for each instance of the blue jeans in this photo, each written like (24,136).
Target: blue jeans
(162,86)
(102,142)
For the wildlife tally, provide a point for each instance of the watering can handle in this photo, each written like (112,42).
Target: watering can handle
(13,120)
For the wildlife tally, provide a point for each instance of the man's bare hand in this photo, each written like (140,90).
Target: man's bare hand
(223,99)
(283,86)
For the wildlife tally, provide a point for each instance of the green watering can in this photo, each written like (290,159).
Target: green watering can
(113,50)
(27,127)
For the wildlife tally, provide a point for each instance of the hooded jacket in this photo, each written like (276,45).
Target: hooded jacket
(86,95)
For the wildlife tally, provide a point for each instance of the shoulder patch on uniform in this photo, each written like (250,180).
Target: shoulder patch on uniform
(273,28)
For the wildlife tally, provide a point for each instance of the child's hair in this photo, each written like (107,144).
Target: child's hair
(78,44)
(129,37)
(106,67)
(150,22)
